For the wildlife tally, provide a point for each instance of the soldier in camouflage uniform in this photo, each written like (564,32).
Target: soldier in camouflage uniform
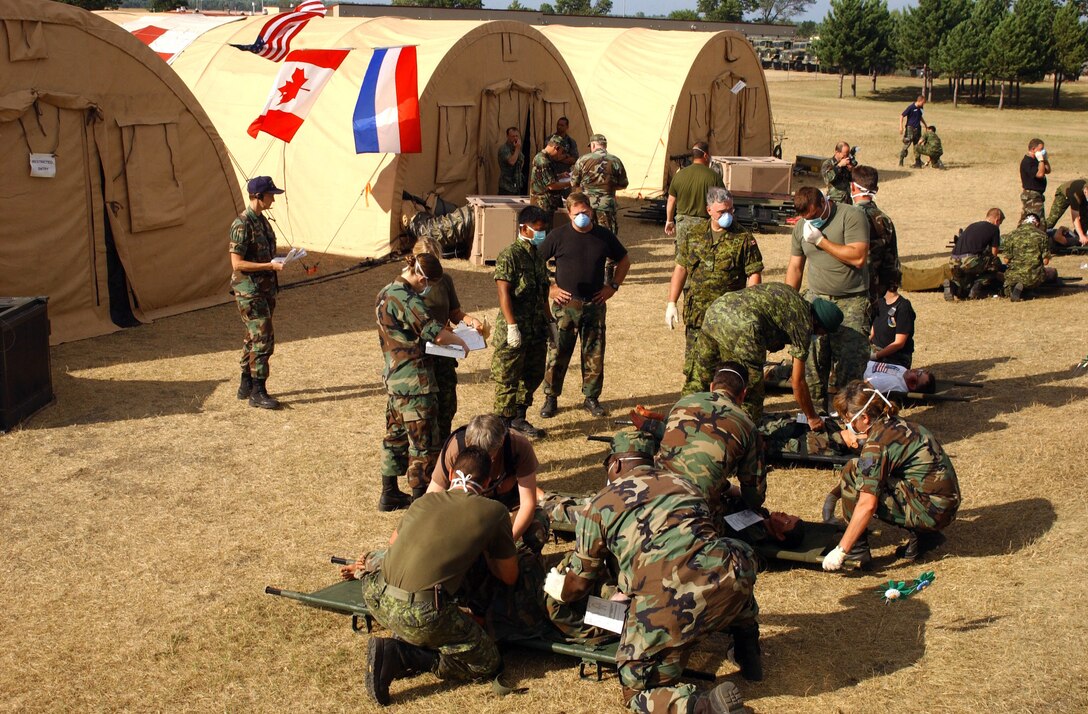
(511,165)
(568,145)
(902,476)
(520,339)
(712,258)
(974,263)
(404,327)
(545,188)
(599,175)
(929,145)
(884,272)
(709,437)
(410,588)
(254,282)
(744,326)
(444,306)
(836,173)
(684,583)
(1027,251)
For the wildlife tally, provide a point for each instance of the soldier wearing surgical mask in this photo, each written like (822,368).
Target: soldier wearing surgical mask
(713,257)
(902,476)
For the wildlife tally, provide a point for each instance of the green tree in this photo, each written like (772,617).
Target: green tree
(547,8)
(776,10)
(881,29)
(683,15)
(94,4)
(583,7)
(920,32)
(960,54)
(166,5)
(807,28)
(515,5)
(1021,47)
(721,10)
(460,4)
(1070,47)
(845,40)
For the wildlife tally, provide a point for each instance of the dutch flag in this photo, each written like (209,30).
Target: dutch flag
(386,119)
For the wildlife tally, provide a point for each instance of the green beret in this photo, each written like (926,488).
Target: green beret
(827,313)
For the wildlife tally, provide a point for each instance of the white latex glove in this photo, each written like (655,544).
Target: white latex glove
(834,559)
(1040,154)
(553,584)
(513,336)
(812,234)
(671,316)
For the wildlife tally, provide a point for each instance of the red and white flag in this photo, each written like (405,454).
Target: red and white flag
(274,40)
(300,80)
(386,118)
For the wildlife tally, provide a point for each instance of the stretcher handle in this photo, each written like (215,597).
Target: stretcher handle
(623,422)
(338,560)
(594,437)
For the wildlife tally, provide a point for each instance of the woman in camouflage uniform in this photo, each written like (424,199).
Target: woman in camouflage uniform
(902,476)
(411,416)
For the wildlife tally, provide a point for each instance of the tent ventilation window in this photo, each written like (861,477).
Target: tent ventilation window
(156,199)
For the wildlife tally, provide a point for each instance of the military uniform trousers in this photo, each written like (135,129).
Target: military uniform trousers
(663,626)
(576,321)
(738,342)
(517,371)
(1057,208)
(604,211)
(911,134)
(1032,203)
(902,504)
(922,150)
(684,223)
(411,440)
(844,353)
(966,269)
(260,341)
(445,376)
(465,650)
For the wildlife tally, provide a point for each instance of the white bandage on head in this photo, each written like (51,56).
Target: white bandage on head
(465,482)
(727,369)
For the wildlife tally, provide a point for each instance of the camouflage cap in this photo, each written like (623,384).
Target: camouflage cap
(599,138)
(555,140)
(827,313)
(634,441)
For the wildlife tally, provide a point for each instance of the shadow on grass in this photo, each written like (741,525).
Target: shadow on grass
(1000,529)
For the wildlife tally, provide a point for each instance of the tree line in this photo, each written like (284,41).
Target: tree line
(981,47)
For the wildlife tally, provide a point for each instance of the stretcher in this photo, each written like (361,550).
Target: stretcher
(909,398)
(346,598)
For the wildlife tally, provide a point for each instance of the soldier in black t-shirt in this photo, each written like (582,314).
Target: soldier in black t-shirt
(1033,170)
(1074,196)
(578,300)
(892,333)
(974,262)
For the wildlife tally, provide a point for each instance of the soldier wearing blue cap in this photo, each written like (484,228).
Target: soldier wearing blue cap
(254,282)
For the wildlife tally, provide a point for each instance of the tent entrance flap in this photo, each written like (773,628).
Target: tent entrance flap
(506,104)
(726,115)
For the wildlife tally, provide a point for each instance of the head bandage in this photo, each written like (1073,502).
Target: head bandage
(462,481)
(727,369)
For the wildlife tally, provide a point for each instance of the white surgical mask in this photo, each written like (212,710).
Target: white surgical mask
(861,435)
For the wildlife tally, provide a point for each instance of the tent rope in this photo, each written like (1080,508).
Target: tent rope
(365,192)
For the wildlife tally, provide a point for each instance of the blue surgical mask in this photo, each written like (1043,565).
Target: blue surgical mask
(822,220)
(538,237)
(425,291)
(582,220)
(726,220)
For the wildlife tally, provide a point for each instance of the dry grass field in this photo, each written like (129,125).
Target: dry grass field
(142,515)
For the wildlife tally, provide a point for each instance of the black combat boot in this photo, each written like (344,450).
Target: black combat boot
(550,406)
(392,499)
(919,543)
(389,659)
(722,699)
(746,651)
(245,385)
(917,163)
(949,290)
(594,407)
(1017,293)
(521,424)
(860,553)
(418,492)
(259,397)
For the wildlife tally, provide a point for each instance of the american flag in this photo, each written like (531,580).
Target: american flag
(274,41)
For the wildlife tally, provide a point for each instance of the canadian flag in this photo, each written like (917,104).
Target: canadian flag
(302,77)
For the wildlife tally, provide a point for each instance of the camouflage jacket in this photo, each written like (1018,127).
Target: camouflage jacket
(883,257)
(570,148)
(599,175)
(930,144)
(708,438)
(835,176)
(404,326)
(252,237)
(898,450)
(717,263)
(652,524)
(541,175)
(1026,249)
(520,265)
(510,177)
(774,314)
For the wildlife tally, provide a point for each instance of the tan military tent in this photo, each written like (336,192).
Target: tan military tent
(654,93)
(475,79)
(134,217)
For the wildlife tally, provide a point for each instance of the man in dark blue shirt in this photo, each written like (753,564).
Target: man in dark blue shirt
(911,124)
